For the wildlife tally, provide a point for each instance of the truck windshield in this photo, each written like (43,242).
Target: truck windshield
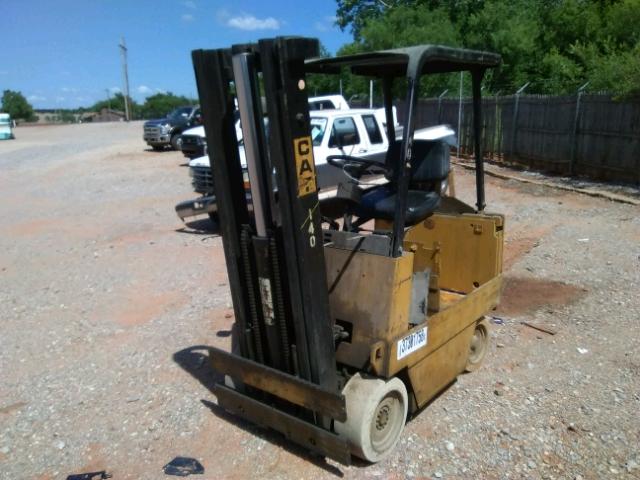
(318,126)
(181,112)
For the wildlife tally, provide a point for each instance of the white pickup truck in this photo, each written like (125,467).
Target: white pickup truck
(359,133)
(194,144)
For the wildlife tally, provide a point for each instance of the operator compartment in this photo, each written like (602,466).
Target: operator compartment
(431,297)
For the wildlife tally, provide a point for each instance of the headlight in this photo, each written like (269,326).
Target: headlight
(166,128)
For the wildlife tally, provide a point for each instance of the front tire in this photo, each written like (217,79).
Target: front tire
(176,141)
(376,414)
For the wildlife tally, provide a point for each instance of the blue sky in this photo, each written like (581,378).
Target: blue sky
(64,53)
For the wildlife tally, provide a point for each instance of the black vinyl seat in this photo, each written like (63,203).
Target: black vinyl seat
(429,166)
(380,202)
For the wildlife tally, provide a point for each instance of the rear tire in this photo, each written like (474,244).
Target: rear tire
(376,414)
(478,346)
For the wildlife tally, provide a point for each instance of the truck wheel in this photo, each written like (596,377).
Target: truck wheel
(376,414)
(176,141)
(157,148)
(478,346)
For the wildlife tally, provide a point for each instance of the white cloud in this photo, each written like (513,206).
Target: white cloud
(189,4)
(187,17)
(144,90)
(114,90)
(160,90)
(69,89)
(36,98)
(60,99)
(249,22)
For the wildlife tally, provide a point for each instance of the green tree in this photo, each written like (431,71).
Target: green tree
(322,84)
(403,26)
(117,103)
(17,106)
(513,30)
(555,45)
(160,104)
(354,14)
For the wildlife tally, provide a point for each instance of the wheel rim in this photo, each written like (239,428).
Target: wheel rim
(478,344)
(387,422)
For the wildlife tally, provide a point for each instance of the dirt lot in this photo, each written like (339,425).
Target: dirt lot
(106,301)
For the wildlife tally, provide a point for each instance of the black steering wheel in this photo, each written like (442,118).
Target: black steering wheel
(355,167)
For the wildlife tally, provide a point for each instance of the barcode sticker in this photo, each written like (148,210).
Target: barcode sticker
(411,343)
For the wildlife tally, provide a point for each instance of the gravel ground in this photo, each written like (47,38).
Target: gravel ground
(107,302)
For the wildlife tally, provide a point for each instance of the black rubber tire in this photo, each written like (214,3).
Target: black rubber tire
(157,148)
(176,141)
(214,217)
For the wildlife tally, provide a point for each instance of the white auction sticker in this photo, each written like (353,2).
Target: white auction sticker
(412,343)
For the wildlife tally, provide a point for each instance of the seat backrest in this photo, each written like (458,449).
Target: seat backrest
(430,161)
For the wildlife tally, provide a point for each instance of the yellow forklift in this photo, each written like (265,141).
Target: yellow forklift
(341,333)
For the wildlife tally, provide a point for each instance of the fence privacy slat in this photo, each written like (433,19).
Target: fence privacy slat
(605,142)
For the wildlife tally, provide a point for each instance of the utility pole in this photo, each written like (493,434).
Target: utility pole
(125,73)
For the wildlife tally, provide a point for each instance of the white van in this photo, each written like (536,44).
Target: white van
(6,127)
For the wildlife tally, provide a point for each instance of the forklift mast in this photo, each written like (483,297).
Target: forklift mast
(274,257)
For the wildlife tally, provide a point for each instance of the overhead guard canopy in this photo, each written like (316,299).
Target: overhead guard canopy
(419,60)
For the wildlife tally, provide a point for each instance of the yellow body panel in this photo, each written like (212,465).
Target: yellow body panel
(470,247)
(372,293)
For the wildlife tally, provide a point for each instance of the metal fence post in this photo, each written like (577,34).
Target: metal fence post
(514,124)
(440,105)
(370,93)
(497,128)
(459,133)
(574,133)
